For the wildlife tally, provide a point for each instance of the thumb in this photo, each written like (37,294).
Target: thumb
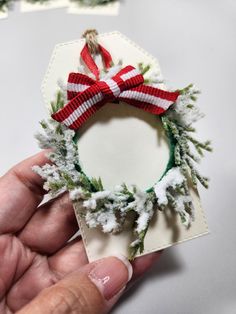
(93,289)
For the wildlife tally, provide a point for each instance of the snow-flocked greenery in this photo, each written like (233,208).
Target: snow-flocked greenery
(111,209)
(93,2)
(5,4)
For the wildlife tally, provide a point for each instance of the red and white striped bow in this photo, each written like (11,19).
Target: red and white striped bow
(86,96)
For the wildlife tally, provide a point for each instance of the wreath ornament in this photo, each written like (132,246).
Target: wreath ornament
(6,4)
(110,209)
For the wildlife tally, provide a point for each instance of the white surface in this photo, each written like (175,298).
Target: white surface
(194,41)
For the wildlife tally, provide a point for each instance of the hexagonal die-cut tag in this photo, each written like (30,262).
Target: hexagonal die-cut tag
(121,143)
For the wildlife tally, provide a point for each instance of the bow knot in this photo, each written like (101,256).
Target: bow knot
(125,79)
(109,88)
(86,96)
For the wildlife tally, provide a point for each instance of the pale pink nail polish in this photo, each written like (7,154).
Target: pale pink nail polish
(111,275)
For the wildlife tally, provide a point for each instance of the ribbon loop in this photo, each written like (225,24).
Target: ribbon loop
(92,48)
(109,89)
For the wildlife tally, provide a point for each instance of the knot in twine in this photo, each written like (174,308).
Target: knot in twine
(90,36)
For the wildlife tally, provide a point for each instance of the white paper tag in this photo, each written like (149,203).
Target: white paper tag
(105,9)
(166,229)
(3,15)
(122,144)
(26,6)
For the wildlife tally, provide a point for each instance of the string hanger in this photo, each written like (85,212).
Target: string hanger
(93,48)
(91,39)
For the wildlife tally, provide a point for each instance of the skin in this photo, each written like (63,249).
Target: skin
(39,269)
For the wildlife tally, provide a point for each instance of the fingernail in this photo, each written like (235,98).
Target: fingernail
(111,275)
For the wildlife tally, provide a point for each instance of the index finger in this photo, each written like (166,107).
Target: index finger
(21,191)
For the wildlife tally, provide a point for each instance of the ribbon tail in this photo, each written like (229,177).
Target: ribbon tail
(80,108)
(90,63)
(150,99)
(106,57)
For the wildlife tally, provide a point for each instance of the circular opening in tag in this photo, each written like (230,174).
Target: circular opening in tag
(123,144)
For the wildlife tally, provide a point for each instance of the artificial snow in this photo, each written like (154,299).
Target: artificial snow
(173,178)
(77,194)
(184,110)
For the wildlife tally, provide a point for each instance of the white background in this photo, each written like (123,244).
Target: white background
(194,41)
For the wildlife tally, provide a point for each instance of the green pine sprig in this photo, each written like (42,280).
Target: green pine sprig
(58,103)
(184,158)
(5,5)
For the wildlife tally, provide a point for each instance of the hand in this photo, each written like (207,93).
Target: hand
(40,272)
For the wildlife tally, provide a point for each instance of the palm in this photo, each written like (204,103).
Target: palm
(34,248)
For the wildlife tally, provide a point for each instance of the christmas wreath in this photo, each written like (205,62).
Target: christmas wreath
(6,4)
(110,209)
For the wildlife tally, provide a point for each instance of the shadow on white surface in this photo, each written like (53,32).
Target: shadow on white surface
(168,264)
